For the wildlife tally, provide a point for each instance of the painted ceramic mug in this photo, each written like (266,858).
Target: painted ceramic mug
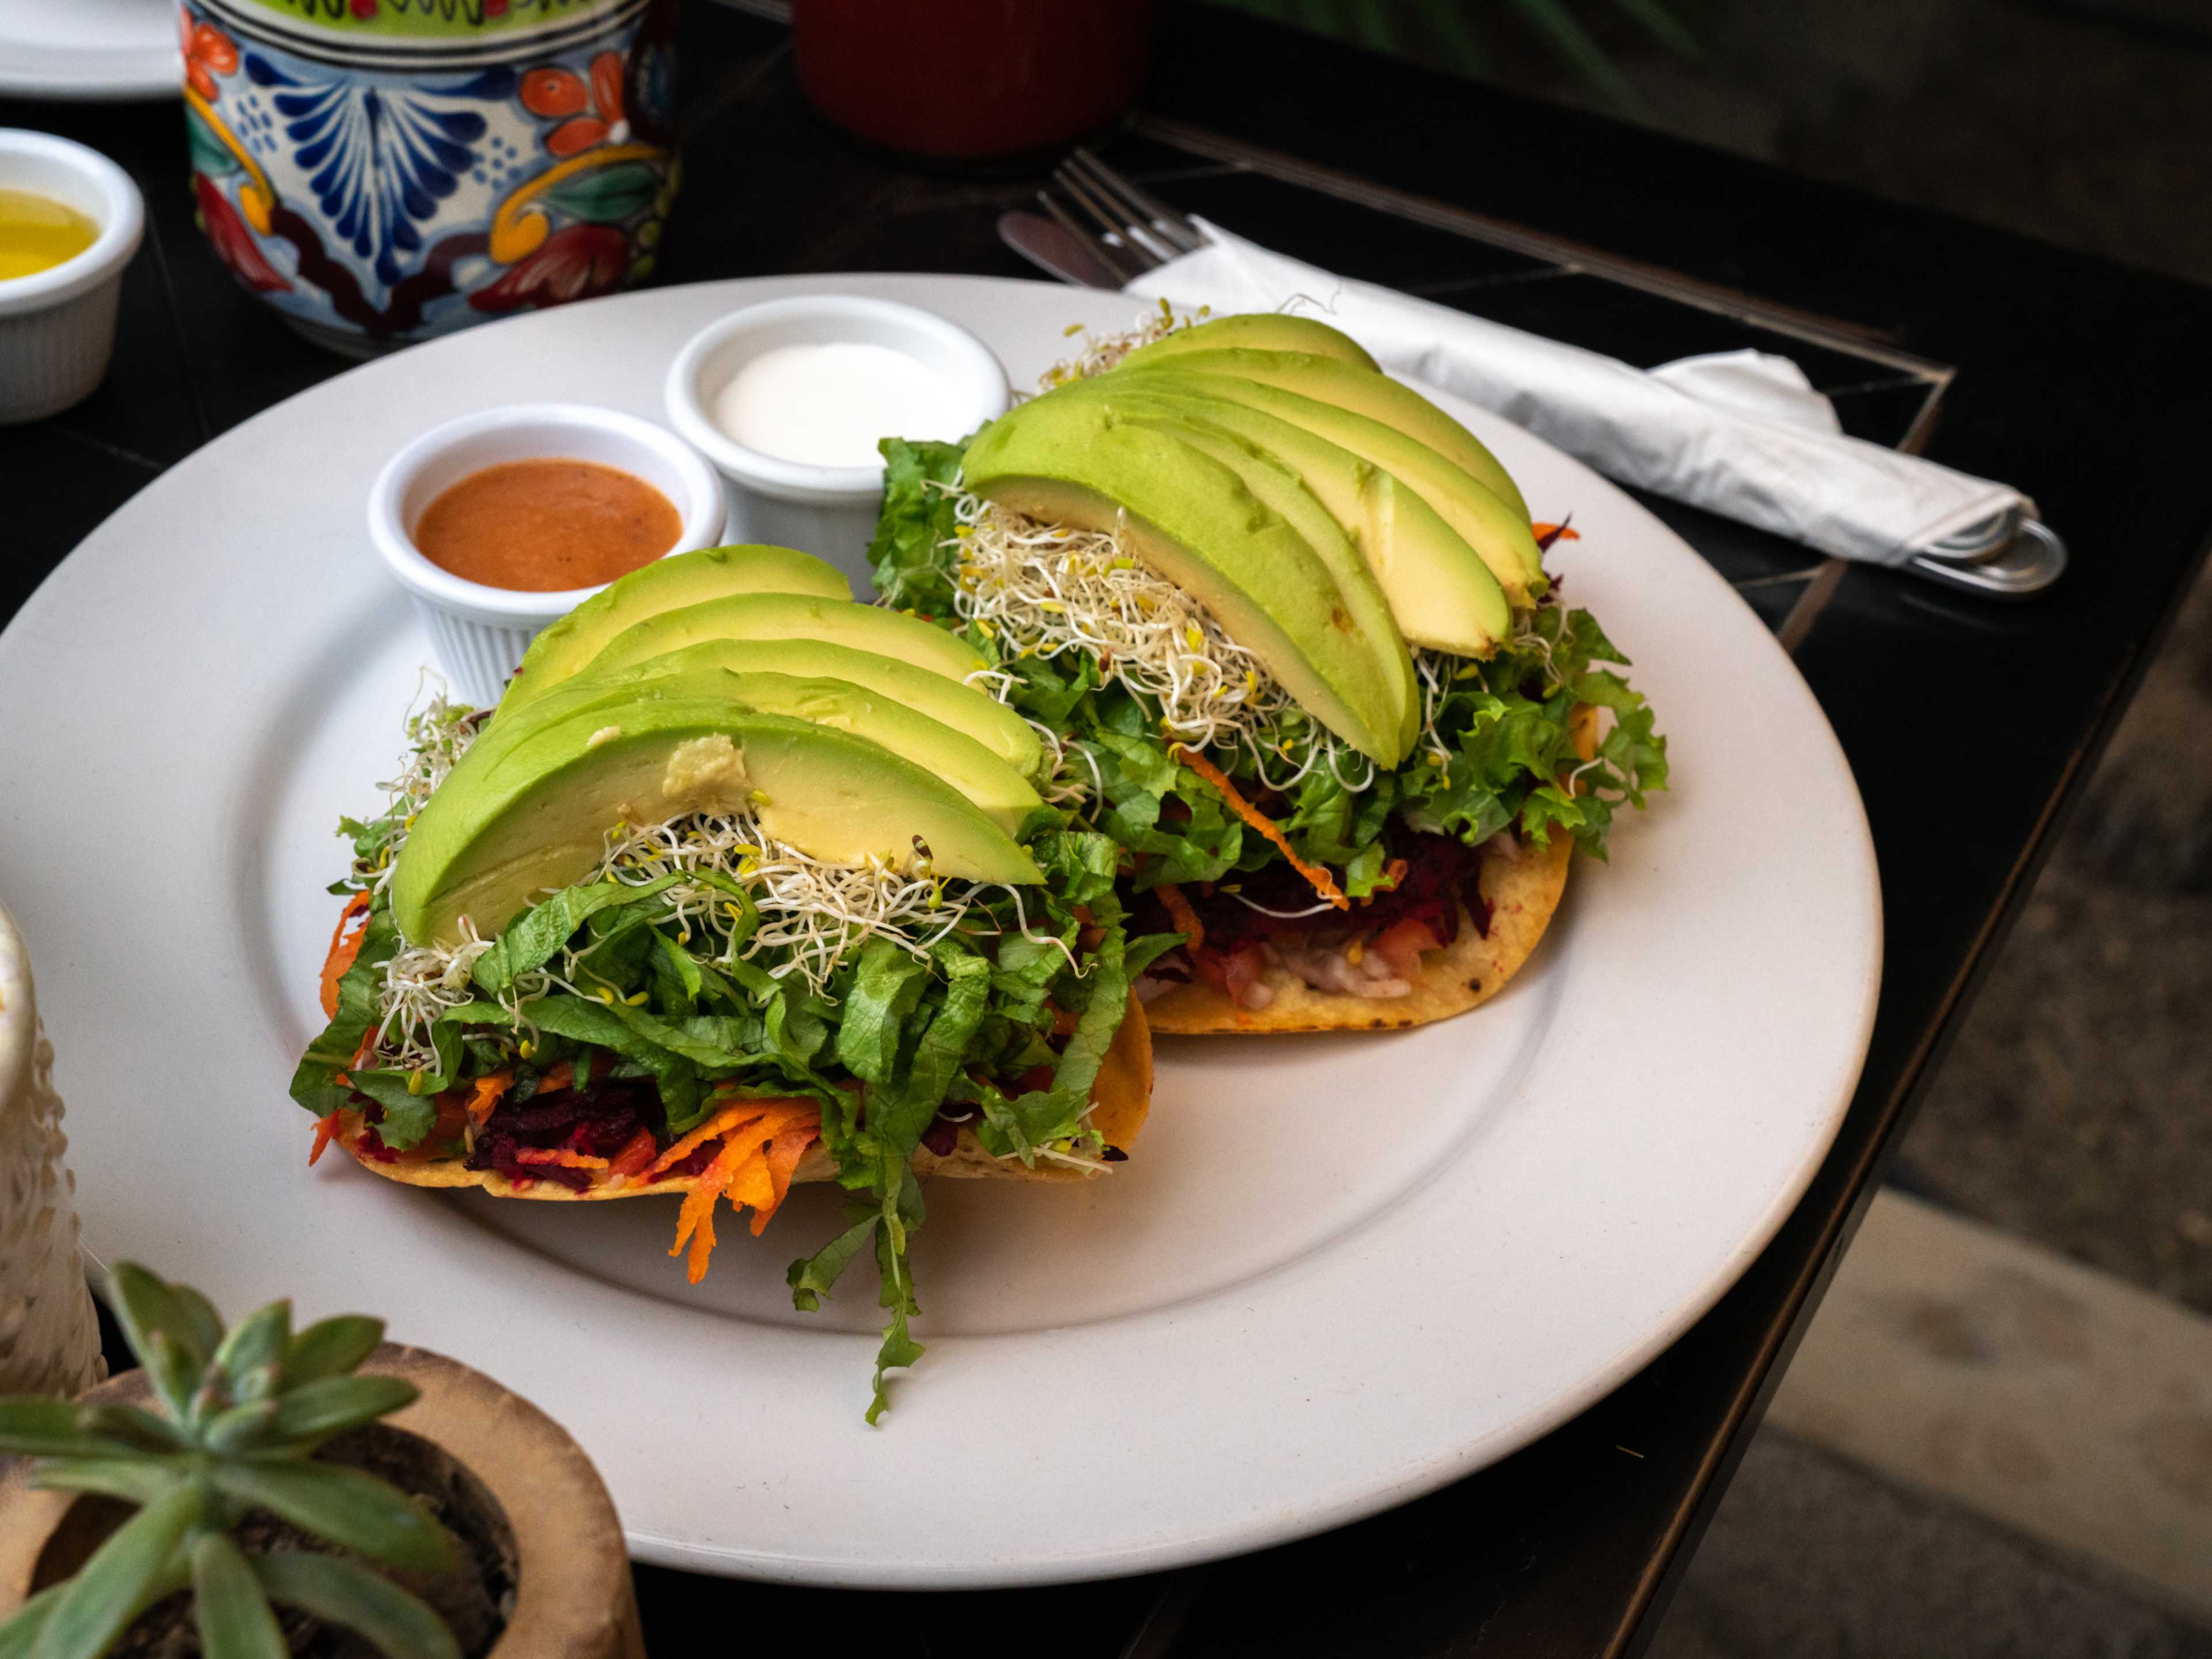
(382,171)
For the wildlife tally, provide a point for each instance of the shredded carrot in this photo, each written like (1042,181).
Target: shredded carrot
(486,1092)
(326,1131)
(343,951)
(560,1155)
(1180,912)
(557,1077)
(784,1153)
(729,1117)
(637,1151)
(1323,882)
(753,1170)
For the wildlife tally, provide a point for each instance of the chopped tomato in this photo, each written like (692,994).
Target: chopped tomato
(1400,945)
(1232,973)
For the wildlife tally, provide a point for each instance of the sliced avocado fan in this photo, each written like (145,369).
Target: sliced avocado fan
(1067,458)
(495,837)
(869,627)
(1364,392)
(1440,591)
(1500,533)
(1260,331)
(683,578)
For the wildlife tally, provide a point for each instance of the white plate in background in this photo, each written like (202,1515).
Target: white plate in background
(90,50)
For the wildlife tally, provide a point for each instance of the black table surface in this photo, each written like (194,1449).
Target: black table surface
(1969,724)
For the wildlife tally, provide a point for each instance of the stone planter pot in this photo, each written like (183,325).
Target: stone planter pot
(49,1339)
(570,1571)
(380,170)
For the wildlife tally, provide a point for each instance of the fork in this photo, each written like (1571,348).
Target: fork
(1132,230)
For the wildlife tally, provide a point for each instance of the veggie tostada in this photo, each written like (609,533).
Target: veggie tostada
(1290,625)
(742,884)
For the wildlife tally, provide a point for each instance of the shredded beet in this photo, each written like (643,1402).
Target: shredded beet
(598,1119)
(941,1136)
(694,1162)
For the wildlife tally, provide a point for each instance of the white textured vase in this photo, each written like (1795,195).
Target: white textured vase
(49,1337)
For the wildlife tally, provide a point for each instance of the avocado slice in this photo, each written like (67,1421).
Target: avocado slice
(1279,485)
(793,616)
(1495,531)
(1441,592)
(665,584)
(726,671)
(1364,392)
(494,837)
(968,711)
(1260,331)
(1069,458)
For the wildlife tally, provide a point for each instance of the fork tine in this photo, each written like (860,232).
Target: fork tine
(1113,230)
(1146,208)
(1106,256)
(1131,224)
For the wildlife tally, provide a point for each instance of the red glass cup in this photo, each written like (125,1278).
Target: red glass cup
(970,80)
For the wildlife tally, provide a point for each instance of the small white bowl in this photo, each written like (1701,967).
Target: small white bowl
(57,325)
(480,632)
(827,511)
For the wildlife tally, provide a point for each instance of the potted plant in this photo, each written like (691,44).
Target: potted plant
(318,1493)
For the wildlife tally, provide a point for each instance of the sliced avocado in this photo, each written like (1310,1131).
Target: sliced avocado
(1441,592)
(972,712)
(1067,458)
(1260,331)
(733,671)
(495,837)
(1279,485)
(665,584)
(793,616)
(1495,530)
(1364,392)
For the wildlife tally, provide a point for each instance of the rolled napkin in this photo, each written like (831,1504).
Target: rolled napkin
(1741,434)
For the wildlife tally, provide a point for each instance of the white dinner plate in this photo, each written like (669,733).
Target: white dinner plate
(1337,1271)
(90,49)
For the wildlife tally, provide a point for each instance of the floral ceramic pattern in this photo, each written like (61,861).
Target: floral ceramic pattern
(389,204)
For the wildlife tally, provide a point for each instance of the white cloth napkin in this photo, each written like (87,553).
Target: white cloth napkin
(1742,433)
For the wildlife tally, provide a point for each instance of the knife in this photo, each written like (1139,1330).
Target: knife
(1050,246)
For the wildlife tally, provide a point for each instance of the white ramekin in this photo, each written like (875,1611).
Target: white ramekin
(58,326)
(480,632)
(827,511)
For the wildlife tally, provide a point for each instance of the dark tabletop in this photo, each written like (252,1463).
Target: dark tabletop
(1969,723)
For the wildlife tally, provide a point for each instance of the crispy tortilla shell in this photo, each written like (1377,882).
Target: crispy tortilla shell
(1524,894)
(1121,1099)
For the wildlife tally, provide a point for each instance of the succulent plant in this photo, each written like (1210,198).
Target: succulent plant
(241,1414)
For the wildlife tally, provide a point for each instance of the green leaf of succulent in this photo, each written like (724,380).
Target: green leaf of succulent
(128,1425)
(240,1428)
(319,1410)
(202,1321)
(259,1339)
(164,1330)
(126,1575)
(332,1347)
(341,1592)
(32,1427)
(135,1478)
(19,1635)
(350,1509)
(233,1616)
